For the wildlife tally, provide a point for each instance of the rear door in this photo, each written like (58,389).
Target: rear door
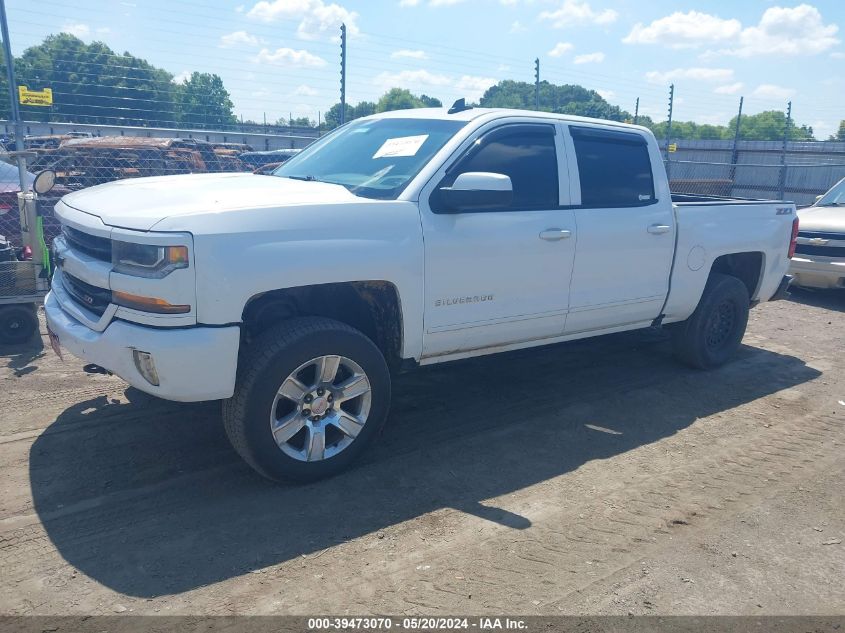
(625,230)
(495,277)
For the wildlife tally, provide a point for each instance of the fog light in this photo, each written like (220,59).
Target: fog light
(146,366)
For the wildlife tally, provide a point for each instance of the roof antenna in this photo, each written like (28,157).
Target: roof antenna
(459,106)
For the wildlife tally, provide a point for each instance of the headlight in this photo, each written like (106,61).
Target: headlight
(146,260)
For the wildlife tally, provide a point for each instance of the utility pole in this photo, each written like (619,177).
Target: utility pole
(669,124)
(13,97)
(735,150)
(669,133)
(786,127)
(637,111)
(342,74)
(537,84)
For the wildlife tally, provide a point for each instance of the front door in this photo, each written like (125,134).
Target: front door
(495,277)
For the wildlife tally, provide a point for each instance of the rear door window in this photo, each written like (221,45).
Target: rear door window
(614,168)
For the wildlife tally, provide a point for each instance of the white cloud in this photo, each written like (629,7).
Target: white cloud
(290,57)
(681,30)
(473,87)
(573,12)
(728,89)
(305,91)
(781,31)
(560,49)
(238,38)
(518,27)
(786,31)
(316,17)
(82,31)
(409,3)
(589,58)
(771,91)
(183,76)
(837,55)
(409,54)
(443,3)
(696,74)
(607,95)
(419,77)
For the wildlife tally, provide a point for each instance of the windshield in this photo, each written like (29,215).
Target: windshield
(372,158)
(835,197)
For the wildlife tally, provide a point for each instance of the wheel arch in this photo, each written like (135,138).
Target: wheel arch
(746,266)
(372,306)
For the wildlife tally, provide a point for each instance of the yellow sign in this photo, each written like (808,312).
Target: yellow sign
(673,147)
(35,97)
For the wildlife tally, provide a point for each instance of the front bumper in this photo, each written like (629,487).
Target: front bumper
(818,272)
(193,364)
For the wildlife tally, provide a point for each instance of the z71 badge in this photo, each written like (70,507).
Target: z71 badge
(783,211)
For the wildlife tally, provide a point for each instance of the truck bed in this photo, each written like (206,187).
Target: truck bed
(689,198)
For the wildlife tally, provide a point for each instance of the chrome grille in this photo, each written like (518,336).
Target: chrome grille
(97,247)
(89,297)
(828,244)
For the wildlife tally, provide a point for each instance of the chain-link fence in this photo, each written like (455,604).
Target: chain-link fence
(796,183)
(87,161)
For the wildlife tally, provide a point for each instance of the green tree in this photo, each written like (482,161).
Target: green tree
(840,133)
(431,102)
(93,84)
(398,99)
(563,99)
(204,102)
(769,126)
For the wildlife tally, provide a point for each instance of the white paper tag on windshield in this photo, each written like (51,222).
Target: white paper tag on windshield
(402,146)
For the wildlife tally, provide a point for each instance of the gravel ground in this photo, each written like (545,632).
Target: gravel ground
(596,477)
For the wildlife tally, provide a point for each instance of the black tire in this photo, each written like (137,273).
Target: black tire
(18,323)
(712,335)
(268,361)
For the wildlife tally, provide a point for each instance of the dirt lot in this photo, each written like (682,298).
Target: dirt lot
(594,477)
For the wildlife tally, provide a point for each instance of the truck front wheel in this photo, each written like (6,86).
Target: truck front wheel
(311,394)
(712,335)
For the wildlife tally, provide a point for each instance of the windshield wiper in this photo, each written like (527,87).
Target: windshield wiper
(308,178)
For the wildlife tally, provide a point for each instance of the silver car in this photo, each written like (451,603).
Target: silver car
(819,260)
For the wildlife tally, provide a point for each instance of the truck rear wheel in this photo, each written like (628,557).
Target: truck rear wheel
(712,335)
(311,394)
(18,323)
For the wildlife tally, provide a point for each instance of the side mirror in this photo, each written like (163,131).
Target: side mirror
(476,190)
(44,181)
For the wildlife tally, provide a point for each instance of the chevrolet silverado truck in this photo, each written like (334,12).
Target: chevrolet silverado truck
(401,239)
(819,260)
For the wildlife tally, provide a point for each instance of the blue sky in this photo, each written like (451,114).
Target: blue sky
(278,57)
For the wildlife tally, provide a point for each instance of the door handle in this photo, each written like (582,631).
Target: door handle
(659,229)
(552,235)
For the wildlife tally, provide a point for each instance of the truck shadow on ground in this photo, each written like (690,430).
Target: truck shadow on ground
(829,299)
(148,499)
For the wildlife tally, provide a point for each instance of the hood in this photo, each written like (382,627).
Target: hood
(822,219)
(141,203)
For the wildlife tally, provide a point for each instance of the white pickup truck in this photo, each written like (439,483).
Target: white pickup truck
(406,238)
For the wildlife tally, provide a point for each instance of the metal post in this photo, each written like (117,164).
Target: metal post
(787,125)
(13,97)
(637,111)
(342,74)
(735,149)
(669,131)
(537,84)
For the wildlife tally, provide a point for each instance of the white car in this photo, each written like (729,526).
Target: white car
(819,260)
(402,239)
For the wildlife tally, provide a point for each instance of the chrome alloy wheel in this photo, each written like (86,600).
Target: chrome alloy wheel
(320,408)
